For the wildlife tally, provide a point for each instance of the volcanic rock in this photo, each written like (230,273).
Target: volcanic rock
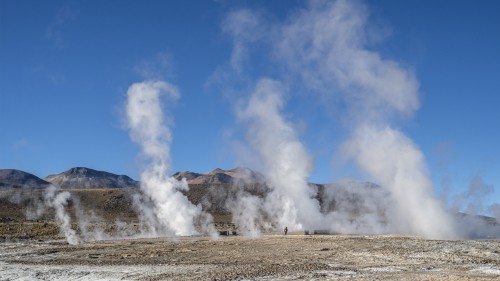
(81,177)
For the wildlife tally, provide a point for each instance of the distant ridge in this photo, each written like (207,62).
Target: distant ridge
(12,178)
(81,177)
(219,176)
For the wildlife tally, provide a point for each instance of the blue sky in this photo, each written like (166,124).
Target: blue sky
(65,67)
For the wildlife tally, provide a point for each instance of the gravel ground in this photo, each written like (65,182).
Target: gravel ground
(274,257)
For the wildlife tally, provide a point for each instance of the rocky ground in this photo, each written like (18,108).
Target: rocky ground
(274,257)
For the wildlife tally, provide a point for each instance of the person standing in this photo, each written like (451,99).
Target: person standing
(286,230)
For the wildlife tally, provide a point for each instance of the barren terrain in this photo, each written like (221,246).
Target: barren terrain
(274,257)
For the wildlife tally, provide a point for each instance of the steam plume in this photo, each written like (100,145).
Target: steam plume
(247,212)
(326,46)
(58,201)
(163,208)
(357,207)
(376,90)
(286,163)
(396,163)
(329,39)
(244,26)
(473,223)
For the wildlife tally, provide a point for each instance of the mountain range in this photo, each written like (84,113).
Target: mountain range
(82,177)
(78,177)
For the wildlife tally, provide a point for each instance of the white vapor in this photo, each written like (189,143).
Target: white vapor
(58,201)
(395,162)
(472,200)
(247,212)
(470,207)
(54,199)
(164,210)
(357,207)
(325,45)
(286,163)
(244,27)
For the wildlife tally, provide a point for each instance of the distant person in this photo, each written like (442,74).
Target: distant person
(286,230)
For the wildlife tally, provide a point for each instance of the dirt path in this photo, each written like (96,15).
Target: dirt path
(274,257)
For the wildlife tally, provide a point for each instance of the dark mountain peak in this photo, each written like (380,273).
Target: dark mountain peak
(12,178)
